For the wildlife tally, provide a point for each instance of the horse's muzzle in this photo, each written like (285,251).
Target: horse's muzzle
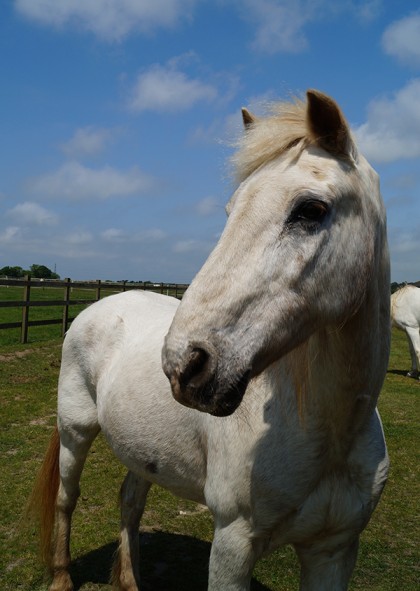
(196,380)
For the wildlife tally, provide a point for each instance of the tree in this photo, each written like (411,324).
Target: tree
(396,286)
(43,272)
(12,272)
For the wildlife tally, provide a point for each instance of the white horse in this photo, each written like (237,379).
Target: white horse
(288,318)
(405,314)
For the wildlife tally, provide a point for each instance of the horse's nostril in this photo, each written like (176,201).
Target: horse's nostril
(196,367)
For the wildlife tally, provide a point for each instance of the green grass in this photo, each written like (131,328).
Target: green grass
(176,535)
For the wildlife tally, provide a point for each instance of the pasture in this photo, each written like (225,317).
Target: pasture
(175,535)
(38,333)
(47,305)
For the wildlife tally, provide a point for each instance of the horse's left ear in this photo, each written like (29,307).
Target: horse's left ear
(247,118)
(328,125)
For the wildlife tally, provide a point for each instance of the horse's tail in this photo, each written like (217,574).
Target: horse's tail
(41,504)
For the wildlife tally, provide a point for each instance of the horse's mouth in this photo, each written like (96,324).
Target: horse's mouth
(211,398)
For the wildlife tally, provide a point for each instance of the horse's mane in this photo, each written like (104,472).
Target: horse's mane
(268,137)
(285,125)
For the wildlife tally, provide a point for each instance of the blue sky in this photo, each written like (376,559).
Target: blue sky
(117,119)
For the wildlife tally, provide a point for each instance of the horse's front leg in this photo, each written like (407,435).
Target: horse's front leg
(327,569)
(233,556)
(125,574)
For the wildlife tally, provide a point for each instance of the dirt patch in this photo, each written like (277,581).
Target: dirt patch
(21,354)
(25,379)
(40,421)
(15,355)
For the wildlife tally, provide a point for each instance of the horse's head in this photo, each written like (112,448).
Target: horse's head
(304,230)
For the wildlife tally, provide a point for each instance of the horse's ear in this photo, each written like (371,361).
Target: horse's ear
(247,118)
(327,124)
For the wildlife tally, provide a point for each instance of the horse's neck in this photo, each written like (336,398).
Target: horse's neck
(337,375)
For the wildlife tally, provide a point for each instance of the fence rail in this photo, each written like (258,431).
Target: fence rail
(98,287)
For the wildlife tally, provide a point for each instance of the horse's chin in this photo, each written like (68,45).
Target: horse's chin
(211,399)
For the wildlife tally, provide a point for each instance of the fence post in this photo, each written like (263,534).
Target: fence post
(25,309)
(98,289)
(124,284)
(66,306)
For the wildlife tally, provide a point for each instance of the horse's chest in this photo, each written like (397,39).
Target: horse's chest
(270,471)
(277,494)
(335,507)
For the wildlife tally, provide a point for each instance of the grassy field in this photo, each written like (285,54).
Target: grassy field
(38,333)
(176,535)
(45,333)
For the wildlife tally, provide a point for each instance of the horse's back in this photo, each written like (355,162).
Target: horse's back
(99,325)
(405,307)
(129,305)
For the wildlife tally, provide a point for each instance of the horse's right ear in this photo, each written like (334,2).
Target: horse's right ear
(328,125)
(247,118)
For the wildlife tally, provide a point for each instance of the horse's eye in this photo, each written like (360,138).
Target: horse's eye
(312,211)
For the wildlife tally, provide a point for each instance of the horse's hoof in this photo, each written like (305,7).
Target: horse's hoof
(61,582)
(413,374)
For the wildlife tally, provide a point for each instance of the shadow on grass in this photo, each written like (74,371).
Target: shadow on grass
(168,562)
(402,372)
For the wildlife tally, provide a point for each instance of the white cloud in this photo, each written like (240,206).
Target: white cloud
(191,246)
(75,181)
(402,40)
(110,20)
(117,235)
(368,10)
(151,235)
(29,213)
(279,25)
(114,235)
(164,88)
(10,234)
(207,206)
(185,246)
(79,237)
(86,141)
(392,129)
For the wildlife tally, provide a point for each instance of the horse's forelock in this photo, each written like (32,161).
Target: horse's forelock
(268,137)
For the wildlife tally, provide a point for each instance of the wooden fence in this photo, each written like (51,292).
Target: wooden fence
(100,288)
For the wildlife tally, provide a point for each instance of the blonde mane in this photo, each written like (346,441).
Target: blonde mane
(268,137)
(285,125)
